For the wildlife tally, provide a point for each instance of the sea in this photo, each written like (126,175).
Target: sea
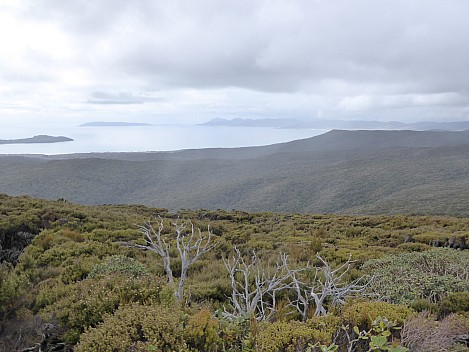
(89,139)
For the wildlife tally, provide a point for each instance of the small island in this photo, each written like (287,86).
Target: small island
(113,124)
(36,139)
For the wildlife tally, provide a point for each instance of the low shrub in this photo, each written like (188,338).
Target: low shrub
(430,275)
(296,336)
(457,302)
(362,314)
(84,304)
(202,331)
(118,264)
(137,327)
(424,305)
(414,247)
(14,290)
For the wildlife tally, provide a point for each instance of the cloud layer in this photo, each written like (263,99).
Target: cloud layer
(182,60)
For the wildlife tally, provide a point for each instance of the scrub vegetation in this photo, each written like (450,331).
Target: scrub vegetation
(88,278)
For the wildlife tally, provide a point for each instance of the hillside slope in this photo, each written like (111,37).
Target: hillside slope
(335,140)
(404,172)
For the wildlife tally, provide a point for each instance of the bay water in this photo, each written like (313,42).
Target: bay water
(88,139)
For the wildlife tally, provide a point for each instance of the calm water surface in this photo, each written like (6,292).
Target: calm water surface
(147,138)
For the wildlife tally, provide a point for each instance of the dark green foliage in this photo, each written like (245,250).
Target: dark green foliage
(13,292)
(19,223)
(424,305)
(457,302)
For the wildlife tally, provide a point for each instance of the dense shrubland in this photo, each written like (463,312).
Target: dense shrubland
(80,276)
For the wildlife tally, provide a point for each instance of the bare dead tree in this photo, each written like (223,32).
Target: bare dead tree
(302,301)
(253,286)
(156,243)
(191,245)
(327,284)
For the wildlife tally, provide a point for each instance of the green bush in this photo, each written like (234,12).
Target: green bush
(423,305)
(362,314)
(237,333)
(296,336)
(414,247)
(136,327)
(84,304)
(457,302)
(327,324)
(118,264)
(56,255)
(76,269)
(13,289)
(202,331)
(285,336)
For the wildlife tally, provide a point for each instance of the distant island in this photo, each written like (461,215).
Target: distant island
(267,122)
(113,124)
(338,124)
(36,139)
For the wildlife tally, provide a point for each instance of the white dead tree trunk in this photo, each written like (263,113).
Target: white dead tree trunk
(327,285)
(253,286)
(156,243)
(191,246)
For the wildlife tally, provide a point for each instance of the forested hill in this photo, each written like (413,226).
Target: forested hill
(335,140)
(373,172)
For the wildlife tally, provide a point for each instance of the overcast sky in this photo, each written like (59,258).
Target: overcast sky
(188,61)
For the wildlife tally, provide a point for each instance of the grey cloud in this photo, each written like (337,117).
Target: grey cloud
(355,56)
(120,98)
(277,46)
(80,16)
(396,45)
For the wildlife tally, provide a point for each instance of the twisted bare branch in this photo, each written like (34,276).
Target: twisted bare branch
(191,245)
(327,285)
(254,288)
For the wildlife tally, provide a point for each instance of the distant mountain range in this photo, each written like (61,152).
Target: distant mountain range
(338,124)
(36,139)
(352,172)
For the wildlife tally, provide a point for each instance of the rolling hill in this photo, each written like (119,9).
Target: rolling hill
(373,172)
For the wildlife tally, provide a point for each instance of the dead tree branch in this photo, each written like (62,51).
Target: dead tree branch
(253,286)
(191,245)
(326,285)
